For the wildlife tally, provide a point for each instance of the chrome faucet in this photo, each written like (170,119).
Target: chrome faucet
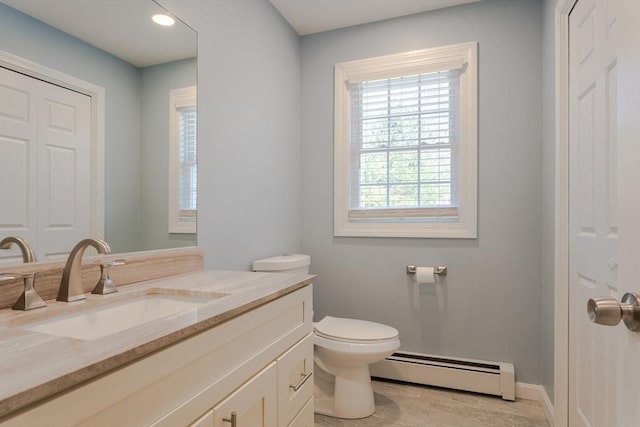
(71,288)
(27,252)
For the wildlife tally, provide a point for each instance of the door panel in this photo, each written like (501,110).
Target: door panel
(604,226)
(18,138)
(593,215)
(64,202)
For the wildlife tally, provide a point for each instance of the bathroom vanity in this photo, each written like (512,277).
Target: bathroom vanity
(241,355)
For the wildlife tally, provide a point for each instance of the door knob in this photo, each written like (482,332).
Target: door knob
(608,311)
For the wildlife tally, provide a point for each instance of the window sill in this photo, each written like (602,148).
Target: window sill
(437,230)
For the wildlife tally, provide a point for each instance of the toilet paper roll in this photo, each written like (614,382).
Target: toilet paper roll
(424,275)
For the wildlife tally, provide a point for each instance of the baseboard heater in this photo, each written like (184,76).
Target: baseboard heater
(495,378)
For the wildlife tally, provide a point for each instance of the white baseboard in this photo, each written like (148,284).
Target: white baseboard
(538,393)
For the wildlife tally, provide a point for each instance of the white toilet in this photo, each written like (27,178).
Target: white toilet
(344,349)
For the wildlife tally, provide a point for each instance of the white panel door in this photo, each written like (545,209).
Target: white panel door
(45,175)
(64,170)
(18,156)
(604,243)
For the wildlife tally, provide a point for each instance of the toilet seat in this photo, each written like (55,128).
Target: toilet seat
(357,348)
(354,331)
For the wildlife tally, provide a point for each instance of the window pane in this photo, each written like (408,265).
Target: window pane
(435,128)
(435,165)
(373,168)
(375,133)
(403,195)
(188,154)
(405,130)
(387,117)
(373,196)
(403,167)
(435,195)
(404,95)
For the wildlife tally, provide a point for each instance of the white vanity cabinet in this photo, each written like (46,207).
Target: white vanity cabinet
(257,365)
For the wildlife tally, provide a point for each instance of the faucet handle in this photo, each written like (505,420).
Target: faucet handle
(105,284)
(29,299)
(115,262)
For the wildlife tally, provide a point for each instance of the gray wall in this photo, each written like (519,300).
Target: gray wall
(249,167)
(156,83)
(30,39)
(489,307)
(548,195)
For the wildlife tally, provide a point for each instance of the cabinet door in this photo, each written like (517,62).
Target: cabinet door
(252,405)
(305,417)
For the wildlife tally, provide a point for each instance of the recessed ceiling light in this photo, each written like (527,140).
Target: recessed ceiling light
(162,19)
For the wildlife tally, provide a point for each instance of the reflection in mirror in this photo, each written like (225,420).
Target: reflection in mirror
(183,171)
(138,63)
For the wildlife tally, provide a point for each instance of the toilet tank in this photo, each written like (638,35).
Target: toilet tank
(284,263)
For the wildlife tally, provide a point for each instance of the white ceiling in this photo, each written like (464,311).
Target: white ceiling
(314,16)
(124,27)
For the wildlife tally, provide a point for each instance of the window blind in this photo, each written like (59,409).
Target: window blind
(403,142)
(188,166)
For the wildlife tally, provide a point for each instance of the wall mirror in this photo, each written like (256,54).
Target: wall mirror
(115,45)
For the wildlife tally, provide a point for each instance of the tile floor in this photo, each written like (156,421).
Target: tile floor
(405,405)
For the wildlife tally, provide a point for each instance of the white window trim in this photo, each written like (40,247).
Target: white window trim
(177,98)
(420,61)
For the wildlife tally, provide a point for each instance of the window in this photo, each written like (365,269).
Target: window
(406,144)
(183,169)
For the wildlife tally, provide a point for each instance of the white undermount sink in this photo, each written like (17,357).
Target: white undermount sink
(99,321)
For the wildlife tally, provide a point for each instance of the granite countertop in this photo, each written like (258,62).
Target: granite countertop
(35,366)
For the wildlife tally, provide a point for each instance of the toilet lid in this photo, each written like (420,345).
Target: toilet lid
(354,330)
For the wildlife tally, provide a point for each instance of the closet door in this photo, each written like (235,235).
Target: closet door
(18,157)
(64,170)
(45,165)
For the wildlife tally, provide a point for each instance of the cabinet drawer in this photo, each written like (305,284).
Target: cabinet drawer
(305,416)
(295,379)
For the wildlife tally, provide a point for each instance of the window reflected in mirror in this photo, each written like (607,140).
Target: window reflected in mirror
(183,172)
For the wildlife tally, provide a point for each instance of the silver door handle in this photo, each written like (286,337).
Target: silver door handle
(608,311)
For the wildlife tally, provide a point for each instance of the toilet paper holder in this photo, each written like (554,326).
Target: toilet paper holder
(438,271)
